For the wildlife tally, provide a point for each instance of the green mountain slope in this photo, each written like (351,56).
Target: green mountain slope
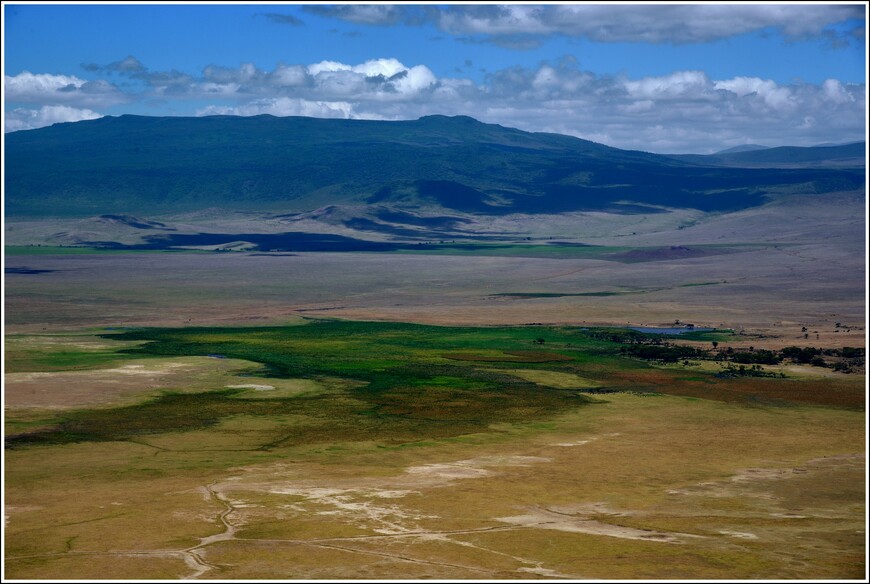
(159,165)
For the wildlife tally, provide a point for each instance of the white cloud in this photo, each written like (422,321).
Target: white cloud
(340,84)
(26,84)
(417,79)
(292,76)
(28,119)
(376,79)
(684,111)
(545,77)
(328,67)
(284,106)
(677,84)
(660,23)
(360,13)
(375,67)
(45,88)
(774,96)
(834,91)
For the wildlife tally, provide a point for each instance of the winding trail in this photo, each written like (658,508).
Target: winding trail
(192,554)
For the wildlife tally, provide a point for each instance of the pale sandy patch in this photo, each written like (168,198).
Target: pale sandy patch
(469,469)
(448,471)
(251,386)
(131,381)
(139,369)
(355,505)
(364,506)
(568,444)
(546,572)
(749,477)
(580,521)
(738,534)
(8,510)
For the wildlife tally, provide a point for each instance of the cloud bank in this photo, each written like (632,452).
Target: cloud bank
(684,111)
(48,89)
(671,24)
(28,119)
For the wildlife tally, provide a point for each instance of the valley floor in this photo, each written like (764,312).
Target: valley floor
(478,463)
(394,453)
(632,486)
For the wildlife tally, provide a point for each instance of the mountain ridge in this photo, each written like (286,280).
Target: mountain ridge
(139,164)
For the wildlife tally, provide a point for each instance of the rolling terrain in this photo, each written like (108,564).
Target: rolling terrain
(134,164)
(288,348)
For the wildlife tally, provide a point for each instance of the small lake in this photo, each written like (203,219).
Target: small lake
(652,330)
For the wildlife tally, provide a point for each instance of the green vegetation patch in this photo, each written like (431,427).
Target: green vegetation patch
(511,357)
(399,385)
(44,353)
(398,382)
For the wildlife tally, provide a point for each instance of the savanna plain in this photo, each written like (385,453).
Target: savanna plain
(465,412)
(501,356)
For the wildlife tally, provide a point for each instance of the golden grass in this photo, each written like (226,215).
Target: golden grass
(745,491)
(750,492)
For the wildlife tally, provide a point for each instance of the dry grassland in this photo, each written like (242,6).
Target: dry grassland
(772,292)
(637,487)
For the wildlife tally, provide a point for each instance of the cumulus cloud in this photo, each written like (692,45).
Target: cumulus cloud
(675,24)
(289,76)
(776,97)
(680,84)
(375,79)
(285,106)
(684,111)
(45,88)
(28,119)
(381,14)
(835,92)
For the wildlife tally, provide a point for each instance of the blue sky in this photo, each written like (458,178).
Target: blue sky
(663,78)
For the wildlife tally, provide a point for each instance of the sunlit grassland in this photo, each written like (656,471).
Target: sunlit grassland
(407,380)
(401,380)
(375,430)
(628,455)
(60,352)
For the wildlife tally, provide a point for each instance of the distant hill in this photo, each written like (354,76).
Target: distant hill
(742,148)
(131,165)
(837,143)
(844,155)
